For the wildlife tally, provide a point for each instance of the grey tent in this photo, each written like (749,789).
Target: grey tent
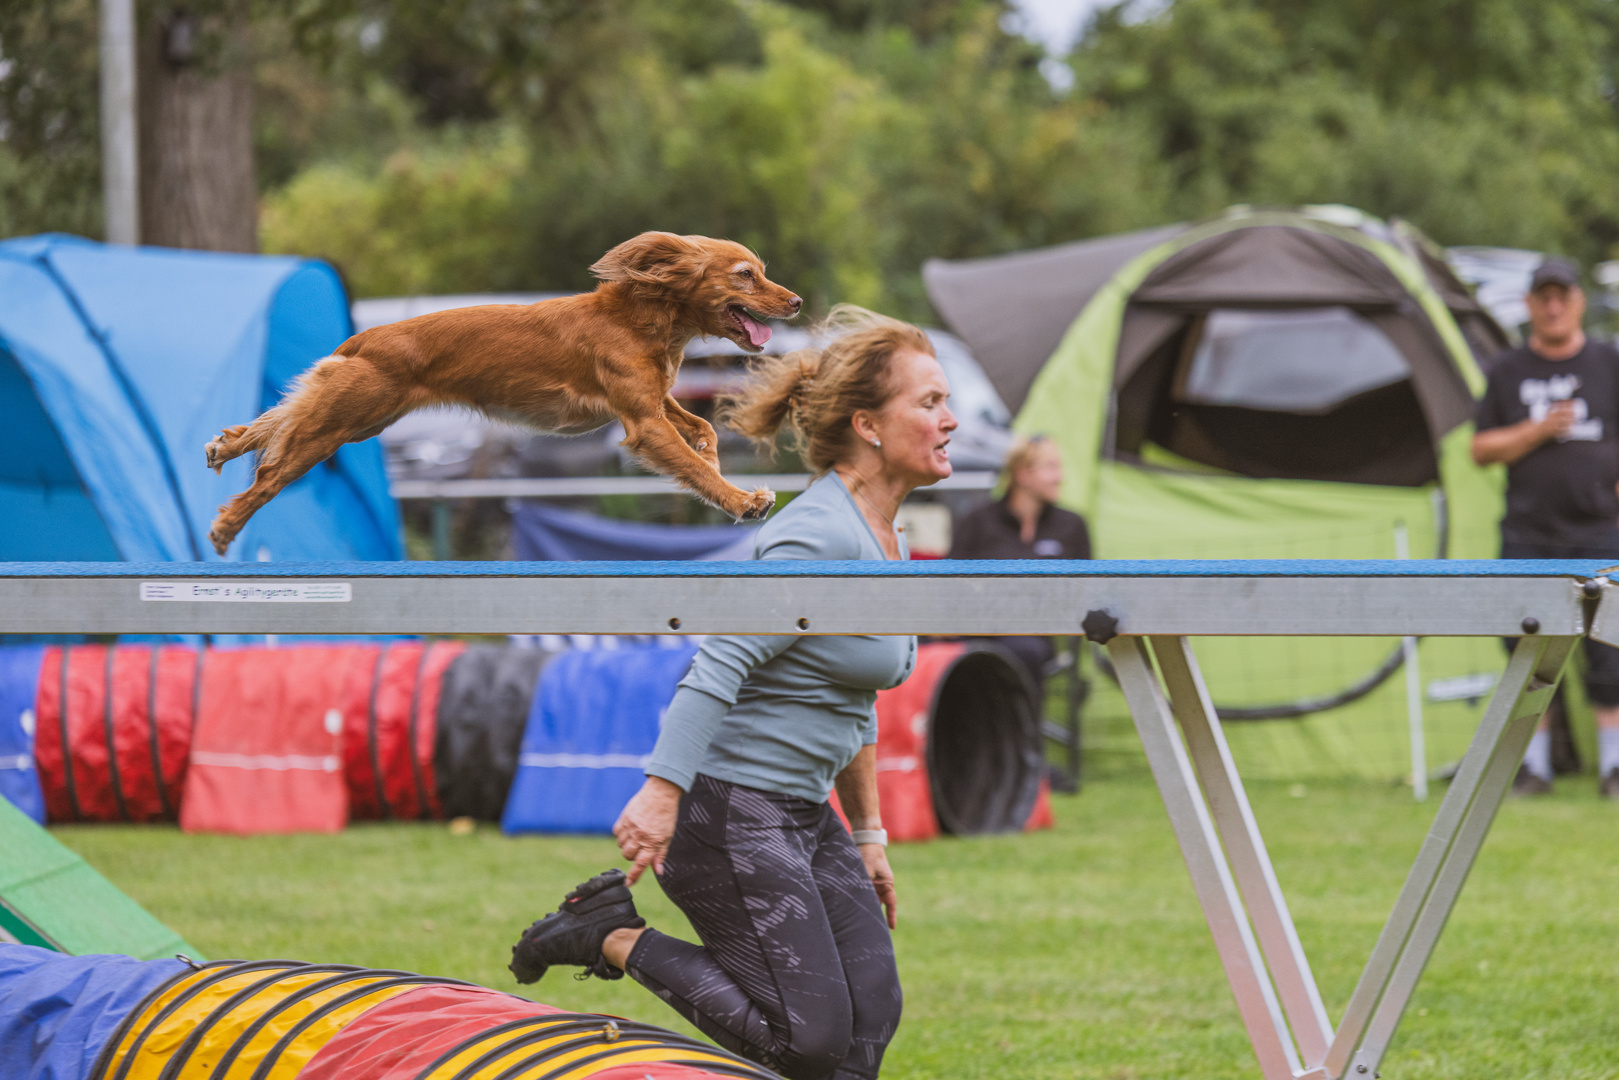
(1013,310)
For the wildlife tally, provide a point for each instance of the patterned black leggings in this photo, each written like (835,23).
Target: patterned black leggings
(796,970)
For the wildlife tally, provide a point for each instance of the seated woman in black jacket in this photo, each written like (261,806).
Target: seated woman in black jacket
(1026,524)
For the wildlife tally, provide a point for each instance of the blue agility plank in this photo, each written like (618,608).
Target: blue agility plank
(1579,569)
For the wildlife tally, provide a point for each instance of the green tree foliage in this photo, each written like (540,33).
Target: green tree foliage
(1483,121)
(846,146)
(451,145)
(50,160)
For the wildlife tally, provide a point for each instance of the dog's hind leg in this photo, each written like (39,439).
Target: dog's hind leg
(340,400)
(233,442)
(655,440)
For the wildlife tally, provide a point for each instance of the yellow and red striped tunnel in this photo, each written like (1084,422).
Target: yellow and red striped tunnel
(281,1020)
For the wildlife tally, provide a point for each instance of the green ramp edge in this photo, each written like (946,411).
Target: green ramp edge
(52,898)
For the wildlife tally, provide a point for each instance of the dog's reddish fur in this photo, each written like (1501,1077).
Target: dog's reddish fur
(565,366)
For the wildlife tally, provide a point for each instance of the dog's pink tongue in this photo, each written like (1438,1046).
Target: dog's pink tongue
(758,332)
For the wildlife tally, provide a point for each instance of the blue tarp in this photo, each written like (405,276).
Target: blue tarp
(118,364)
(19,686)
(543,533)
(56,1011)
(594,720)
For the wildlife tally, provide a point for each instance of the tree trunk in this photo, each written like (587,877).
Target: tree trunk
(197,187)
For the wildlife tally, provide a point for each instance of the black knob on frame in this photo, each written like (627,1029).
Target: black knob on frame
(1100,626)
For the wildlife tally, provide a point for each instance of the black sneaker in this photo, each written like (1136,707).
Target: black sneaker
(1609,788)
(574,932)
(1527,783)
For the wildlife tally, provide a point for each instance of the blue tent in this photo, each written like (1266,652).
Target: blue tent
(118,364)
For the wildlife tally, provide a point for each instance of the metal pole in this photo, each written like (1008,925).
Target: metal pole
(1413,689)
(441,530)
(120,176)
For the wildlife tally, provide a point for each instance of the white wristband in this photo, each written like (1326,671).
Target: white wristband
(870,836)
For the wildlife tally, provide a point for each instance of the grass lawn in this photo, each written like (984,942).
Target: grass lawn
(1078,952)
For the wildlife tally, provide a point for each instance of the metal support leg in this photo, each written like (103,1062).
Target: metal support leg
(1211,876)
(1201,790)
(1458,831)
(1267,908)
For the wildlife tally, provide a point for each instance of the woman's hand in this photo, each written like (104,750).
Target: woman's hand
(857,794)
(875,856)
(644,828)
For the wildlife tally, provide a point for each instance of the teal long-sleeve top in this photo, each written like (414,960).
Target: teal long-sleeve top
(784,712)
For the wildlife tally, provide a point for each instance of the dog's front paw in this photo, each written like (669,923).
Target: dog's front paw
(221,536)
(757,505)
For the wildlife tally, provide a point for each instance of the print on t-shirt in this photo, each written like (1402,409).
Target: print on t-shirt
(1539,394)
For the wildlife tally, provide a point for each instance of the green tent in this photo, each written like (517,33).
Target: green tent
(1266,384)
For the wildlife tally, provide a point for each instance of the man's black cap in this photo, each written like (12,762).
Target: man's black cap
(1556,270)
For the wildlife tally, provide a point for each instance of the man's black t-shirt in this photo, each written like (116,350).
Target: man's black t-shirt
(1562,492)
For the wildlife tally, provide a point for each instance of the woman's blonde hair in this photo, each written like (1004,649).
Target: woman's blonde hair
(815,392)
(1021,455)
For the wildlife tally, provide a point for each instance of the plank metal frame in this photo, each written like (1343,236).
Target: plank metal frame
(1410,597)
(1237,887)
(1144,612)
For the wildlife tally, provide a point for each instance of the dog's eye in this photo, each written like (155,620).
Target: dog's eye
(745,272)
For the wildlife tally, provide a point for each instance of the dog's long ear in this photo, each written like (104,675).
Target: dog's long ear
(653,258)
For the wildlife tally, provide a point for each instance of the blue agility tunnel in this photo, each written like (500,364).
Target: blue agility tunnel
(19,684)
(594,720)
(57,1012)
(118,364)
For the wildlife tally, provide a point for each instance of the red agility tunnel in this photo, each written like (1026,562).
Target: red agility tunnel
(267,753)
(279,740)
(390,710)
(958,746)
(114,731)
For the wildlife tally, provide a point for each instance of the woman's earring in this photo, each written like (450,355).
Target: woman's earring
(878,443)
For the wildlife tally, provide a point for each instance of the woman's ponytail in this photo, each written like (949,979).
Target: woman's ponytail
(814,393)
(774,393)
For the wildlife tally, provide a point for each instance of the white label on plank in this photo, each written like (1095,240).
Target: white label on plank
(249,592)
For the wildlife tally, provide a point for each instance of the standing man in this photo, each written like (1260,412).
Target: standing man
(1551,415)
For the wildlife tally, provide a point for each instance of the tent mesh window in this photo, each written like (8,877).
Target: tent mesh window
(1247,392)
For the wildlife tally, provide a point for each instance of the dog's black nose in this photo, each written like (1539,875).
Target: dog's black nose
(796,302)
